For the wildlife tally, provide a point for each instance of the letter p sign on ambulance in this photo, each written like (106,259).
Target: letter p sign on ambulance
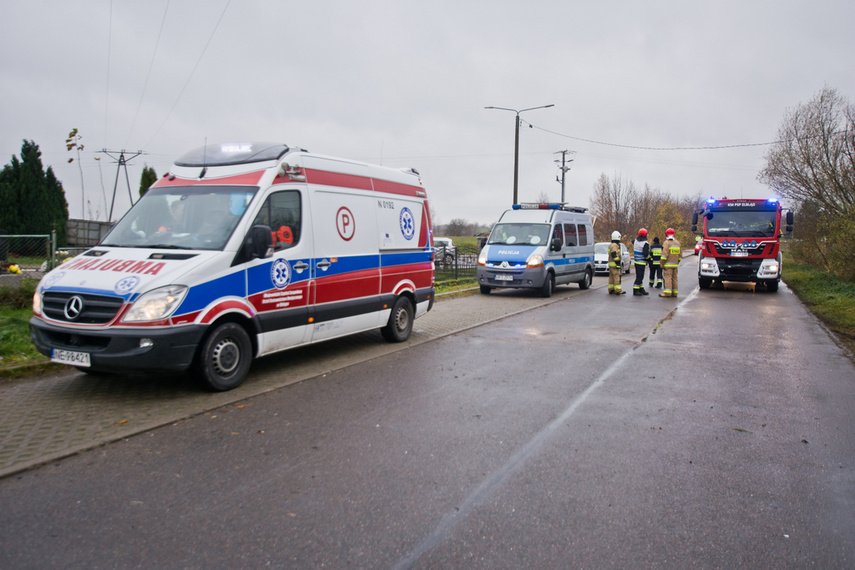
(345,224)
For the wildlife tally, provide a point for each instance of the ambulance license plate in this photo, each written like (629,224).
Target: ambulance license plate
(70,357)
(501,277)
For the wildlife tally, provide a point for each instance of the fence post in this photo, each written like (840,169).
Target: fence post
(52,256)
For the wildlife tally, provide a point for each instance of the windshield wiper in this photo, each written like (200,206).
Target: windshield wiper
(165,246)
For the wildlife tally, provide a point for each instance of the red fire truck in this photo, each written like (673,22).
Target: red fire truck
(741,241)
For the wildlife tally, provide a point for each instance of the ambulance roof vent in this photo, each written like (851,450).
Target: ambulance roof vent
(227,154)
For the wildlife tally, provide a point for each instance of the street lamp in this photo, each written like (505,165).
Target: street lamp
(517,139)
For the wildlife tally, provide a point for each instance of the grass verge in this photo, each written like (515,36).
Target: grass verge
(831,299)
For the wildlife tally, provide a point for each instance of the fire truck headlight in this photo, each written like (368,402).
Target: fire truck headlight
(534,260)
(708,267)
(157,304)
(769,268)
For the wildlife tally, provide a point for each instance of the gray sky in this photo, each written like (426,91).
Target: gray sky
(405,84)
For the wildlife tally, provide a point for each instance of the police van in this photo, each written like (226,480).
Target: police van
(538,246)
(240,251)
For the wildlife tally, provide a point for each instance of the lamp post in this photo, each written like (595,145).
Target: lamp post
(517,139)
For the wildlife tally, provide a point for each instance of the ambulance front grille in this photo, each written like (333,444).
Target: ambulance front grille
(93,310)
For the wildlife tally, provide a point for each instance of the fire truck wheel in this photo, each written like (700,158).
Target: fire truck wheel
(400,323)
(224,358)
(772,286)
(704,283)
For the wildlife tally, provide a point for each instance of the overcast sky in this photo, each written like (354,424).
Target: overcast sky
(405,84)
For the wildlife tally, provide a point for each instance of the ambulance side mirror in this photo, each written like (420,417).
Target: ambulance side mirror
(259,243)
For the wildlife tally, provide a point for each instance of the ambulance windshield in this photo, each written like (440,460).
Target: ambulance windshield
(519,234)
(182,217)
(742,223)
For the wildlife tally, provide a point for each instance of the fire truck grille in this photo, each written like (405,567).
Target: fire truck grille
(87,309)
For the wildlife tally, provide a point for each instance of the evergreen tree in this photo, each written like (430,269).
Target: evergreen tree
(149,177)
(32,201)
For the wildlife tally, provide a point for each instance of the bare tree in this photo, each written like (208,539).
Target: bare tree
(814,159)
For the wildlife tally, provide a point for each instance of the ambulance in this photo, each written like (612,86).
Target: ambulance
(538,246)
(240,251)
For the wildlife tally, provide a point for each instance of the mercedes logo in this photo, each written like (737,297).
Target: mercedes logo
(73,308)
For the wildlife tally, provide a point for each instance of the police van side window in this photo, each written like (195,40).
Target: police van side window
(572,239)
(584,234)
(281,212)
(557,233)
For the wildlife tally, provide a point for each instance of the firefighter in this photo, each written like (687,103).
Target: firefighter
(655,264)
(640,253)
(670,263)
(615,266)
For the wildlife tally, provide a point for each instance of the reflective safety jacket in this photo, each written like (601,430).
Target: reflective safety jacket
(655,254)
(614,254)
(671,252)
(640,250)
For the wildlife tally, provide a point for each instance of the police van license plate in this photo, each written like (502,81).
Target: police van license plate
(70,357)
(501,277)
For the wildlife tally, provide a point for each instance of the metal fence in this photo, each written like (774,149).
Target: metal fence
(27,256)
(458,263)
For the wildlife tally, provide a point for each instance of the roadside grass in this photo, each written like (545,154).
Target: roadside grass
(831,299)
(17,352)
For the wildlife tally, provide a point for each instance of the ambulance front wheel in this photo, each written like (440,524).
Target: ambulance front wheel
(224,358)
(400,323)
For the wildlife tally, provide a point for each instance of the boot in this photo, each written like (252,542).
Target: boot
(621,292)
(664,294)
(659,285)
(636,292)
(611,292)
(643,292)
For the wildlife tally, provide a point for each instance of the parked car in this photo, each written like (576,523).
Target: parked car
(445,249)
(601,258)
(699,245)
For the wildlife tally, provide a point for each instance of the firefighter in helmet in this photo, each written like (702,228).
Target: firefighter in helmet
(615,266)
(640,254)
(670,263)
(655,263)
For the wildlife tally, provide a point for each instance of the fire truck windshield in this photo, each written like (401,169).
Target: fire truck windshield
(741,223)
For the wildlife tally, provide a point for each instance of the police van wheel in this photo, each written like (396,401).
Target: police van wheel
(400,323)
(224,358)
(548,285)
(586,282)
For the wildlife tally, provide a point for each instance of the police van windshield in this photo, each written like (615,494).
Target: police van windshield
(182,217)
(742,224)
(519,234)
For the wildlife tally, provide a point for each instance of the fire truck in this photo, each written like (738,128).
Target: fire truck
(741,241)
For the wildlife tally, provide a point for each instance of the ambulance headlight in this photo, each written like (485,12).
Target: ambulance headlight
(157,304)
(534,260)
(37,302)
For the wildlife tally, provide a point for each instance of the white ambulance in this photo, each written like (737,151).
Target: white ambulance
(538,246)
(243,250)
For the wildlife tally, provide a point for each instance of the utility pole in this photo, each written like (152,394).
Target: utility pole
(564,167)
(122,160)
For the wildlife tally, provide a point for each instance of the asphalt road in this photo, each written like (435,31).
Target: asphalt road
(715,430)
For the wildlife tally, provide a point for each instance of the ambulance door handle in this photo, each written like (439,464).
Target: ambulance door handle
(298,267)
(323,264)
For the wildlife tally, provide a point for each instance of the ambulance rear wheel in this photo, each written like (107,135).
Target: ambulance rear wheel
(400,323)
(224,358)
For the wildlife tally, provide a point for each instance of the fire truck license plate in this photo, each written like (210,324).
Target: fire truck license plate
(500,277)
(738,254)
(70,357)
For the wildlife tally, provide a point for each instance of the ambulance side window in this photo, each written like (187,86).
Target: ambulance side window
(281,212)
(572,239)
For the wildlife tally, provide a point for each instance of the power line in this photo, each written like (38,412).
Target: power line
(148,74)
(657,148)
(186,83)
